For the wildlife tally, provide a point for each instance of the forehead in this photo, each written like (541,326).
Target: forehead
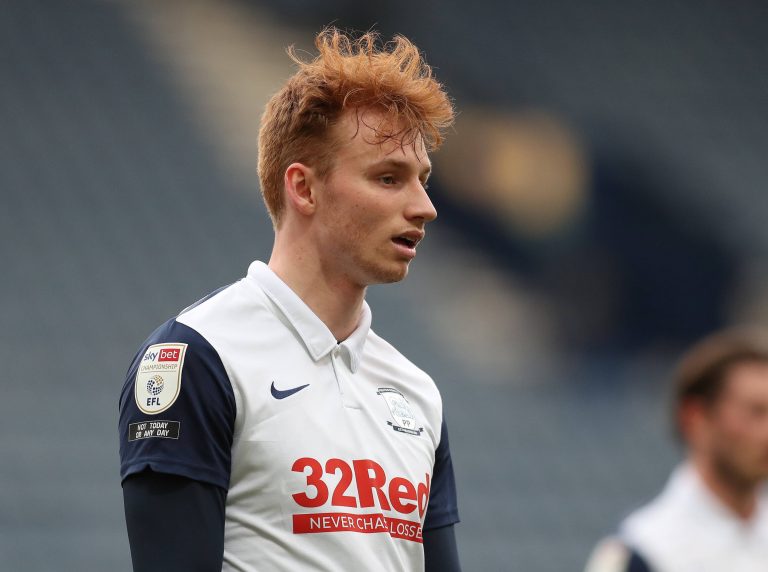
(747,381)
(368,135)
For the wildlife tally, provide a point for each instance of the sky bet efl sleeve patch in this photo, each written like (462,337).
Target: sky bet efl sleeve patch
(158,379)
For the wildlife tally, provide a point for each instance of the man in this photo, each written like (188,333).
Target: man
(713,514)
(267,427)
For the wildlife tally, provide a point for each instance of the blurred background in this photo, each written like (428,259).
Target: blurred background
(602,204)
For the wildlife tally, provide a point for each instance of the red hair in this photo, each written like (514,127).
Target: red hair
(347,74)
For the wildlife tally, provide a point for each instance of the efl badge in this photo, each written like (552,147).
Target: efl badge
(402,414)
(158,381)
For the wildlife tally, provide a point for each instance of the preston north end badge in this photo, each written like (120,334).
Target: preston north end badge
(403,419)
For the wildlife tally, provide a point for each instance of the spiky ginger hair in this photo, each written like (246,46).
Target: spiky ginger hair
(348,74)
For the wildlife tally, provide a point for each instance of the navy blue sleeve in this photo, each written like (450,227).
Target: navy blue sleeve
(440,551)
(442,509)
(637,563)
(177,421)
(174,524)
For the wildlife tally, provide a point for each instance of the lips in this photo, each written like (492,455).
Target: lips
(409,239)
(406,242)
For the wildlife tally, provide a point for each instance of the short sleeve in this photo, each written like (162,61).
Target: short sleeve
(177,409)
(442,509)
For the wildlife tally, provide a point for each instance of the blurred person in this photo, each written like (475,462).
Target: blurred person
(267,427)
(712,516)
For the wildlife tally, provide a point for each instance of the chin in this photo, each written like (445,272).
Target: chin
(387,274)
(755,473)
(762,473)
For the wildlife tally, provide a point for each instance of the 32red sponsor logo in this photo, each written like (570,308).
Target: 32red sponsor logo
(169,354)
(373,487)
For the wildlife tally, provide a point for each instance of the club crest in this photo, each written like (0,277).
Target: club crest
(403,418)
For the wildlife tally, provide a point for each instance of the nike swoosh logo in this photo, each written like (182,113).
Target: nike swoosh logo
(283,393)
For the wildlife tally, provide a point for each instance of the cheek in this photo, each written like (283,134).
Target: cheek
(349,229)
(356,216)
(359,226)
(734,426)
(743,435)
(339,217)
(366,221)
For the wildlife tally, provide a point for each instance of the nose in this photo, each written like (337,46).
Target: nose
(420,206)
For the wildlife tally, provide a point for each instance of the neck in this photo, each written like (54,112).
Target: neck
(335,299)
(735,492)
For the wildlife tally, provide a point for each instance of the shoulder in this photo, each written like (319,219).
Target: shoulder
(173,353)
(174,331)
(187,329)
(236,320)
(181,348)
(680,506)
(656,515)
(640,539)
(230,307)
(651,527)
(654,529)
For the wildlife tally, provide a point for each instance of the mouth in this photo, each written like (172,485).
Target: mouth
(407,242)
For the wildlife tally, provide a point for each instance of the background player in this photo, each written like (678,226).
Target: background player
(267,427)
(713,514)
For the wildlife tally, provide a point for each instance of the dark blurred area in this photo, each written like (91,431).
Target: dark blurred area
(599,208)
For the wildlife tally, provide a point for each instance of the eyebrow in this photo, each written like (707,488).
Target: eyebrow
(401,165)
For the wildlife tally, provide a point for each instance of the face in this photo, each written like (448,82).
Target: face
(735,428)
(372,206)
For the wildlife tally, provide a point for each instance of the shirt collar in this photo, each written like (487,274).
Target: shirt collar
(686,483)
(317,338)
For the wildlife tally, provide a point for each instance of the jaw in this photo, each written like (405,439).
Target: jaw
(384,266)
(362,253)
(740,472)
(384,272)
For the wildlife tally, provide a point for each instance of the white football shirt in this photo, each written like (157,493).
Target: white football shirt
(334,455)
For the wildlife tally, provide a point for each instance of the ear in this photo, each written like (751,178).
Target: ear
(693,417)
(300,194)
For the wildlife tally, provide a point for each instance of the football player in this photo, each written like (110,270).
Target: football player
(712,516)
(267,427)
